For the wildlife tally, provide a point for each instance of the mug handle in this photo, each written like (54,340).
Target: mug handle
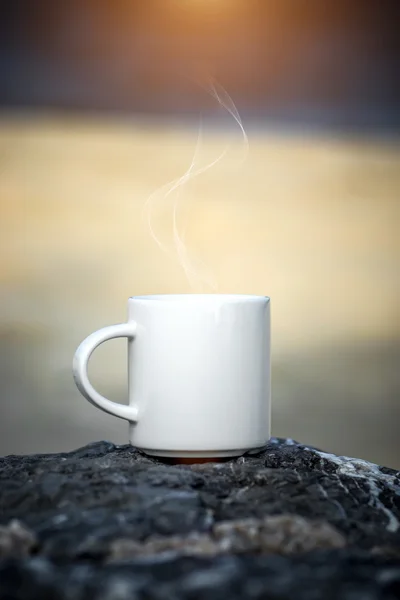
(80,369)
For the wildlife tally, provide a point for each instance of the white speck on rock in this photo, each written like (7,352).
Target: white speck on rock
(340,508)
(372,476)
(58,519)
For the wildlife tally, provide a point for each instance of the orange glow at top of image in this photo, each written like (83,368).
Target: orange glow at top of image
(207,5)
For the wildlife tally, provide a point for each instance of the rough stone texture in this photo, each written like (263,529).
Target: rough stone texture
(16,540)
(285,534)
(108,523)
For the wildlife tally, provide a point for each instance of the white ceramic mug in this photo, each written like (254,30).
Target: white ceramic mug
(199,374)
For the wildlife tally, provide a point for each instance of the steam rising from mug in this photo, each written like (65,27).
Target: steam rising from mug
(195,270)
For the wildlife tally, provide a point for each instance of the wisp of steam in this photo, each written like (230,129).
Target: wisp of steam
(195,271)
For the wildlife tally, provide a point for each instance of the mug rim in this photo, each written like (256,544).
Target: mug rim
(188,296)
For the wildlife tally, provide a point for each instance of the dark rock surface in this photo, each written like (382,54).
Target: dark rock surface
(108,523)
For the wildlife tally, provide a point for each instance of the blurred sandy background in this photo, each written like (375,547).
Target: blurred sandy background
(311,218)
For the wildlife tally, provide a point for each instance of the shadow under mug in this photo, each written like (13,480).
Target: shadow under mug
(198,372)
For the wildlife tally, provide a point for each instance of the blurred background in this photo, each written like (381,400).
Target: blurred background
(99,108)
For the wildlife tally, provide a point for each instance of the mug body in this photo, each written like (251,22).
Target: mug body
(199,374)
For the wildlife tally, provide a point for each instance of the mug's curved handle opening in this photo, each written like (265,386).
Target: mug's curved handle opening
(80,369)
